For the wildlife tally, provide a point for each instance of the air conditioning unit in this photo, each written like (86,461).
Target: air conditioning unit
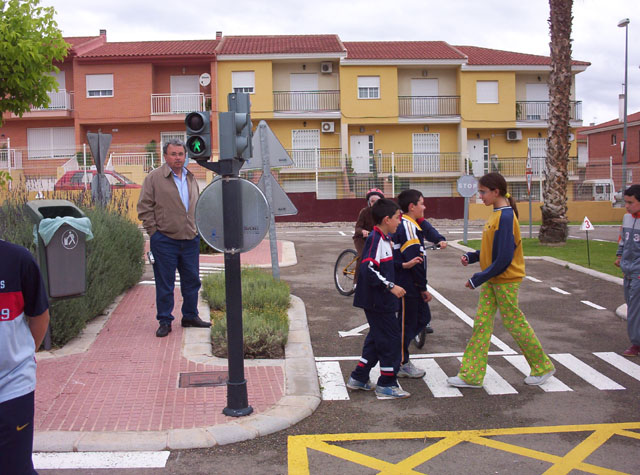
(326,67)
(513,135)
(327,127)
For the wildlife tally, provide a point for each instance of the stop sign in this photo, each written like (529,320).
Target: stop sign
(467,186)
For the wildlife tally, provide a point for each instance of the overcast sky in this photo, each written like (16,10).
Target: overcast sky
(502,24)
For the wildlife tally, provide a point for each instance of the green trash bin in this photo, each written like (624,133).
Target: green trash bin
(62,251)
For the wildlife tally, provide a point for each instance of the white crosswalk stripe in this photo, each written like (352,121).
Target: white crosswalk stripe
(333,379)
(586,372)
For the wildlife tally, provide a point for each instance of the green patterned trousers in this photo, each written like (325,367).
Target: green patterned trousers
(505,298)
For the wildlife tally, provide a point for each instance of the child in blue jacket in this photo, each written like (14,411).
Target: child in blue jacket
(378,295)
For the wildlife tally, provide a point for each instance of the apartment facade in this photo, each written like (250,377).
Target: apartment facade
(351,114)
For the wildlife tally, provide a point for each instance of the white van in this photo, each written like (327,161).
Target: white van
(602,189)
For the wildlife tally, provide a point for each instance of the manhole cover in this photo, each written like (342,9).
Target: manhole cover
(202,379)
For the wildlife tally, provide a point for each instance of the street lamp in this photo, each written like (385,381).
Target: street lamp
(624,23)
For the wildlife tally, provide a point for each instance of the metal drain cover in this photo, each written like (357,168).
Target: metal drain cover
(203,379)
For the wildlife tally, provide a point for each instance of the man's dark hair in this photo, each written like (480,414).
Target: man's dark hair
(408,197)
(633,190)
(382,208)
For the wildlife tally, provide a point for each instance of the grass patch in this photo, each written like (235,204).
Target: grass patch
(265,323)
(603,254)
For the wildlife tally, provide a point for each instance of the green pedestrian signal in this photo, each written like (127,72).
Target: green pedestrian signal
(198,127)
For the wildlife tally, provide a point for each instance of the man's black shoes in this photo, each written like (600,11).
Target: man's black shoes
(195,322)
(163,330)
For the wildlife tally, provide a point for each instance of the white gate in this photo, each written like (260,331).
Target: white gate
(304,144)
(426,152)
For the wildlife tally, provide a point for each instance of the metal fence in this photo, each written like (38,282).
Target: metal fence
(429,106)
(306,101)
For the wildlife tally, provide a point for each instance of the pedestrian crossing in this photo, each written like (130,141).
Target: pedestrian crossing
(333,378)
(205,270)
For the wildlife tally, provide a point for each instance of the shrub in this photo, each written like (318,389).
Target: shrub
(265,323)
(114,257)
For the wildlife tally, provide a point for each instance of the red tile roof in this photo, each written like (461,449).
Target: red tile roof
(78,40)
(494,57)
(594,128)
(153,48)
(283,44)
(401,50)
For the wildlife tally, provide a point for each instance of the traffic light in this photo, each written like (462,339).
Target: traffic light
(198,126)
(235,128)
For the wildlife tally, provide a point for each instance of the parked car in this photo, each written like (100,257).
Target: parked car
(75,180)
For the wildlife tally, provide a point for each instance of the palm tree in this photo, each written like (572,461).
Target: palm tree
(554,228)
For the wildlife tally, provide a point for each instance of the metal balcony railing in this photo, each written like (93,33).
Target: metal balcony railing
(429,106)
(315,158)
(444,163)
(517,166)
(306,101)
(539,110)
(177,103)
(61,100)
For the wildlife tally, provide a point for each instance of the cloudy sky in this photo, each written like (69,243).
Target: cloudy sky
(502,24)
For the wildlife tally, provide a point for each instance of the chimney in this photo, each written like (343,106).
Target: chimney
(103,33)
(621,108)
(218,35)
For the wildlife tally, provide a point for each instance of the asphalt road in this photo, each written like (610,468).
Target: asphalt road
(583,424)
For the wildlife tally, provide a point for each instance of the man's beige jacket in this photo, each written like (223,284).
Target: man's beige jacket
(160,207)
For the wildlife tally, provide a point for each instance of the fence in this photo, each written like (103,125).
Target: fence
(428,106)
(306,101)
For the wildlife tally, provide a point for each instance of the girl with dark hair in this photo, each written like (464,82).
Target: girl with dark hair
(502,263)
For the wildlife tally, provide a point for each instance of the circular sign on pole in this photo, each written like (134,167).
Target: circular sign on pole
(255,215)
(467,186)
(204,79)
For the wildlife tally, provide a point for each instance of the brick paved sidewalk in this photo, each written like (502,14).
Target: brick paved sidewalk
(128,378)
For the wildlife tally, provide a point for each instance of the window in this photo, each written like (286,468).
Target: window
(368,87)
(614,139)
(99,85)
(487,92)
(53,142)
(243,81)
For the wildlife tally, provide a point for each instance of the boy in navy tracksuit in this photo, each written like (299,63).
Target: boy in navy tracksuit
(378,295)
(411,269)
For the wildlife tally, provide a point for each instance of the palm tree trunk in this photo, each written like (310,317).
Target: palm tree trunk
(554,228)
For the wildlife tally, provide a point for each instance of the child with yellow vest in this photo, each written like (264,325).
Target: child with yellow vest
(502,263)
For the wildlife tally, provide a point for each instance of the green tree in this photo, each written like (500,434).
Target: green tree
(30,44)
(554,229)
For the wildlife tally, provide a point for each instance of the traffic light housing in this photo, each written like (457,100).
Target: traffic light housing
(198,125)
(236,128)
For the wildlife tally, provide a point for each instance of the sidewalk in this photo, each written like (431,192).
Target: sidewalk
(115,387)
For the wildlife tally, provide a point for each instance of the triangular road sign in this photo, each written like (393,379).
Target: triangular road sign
(99,144)
(279,201)
(586,225)
(278,156)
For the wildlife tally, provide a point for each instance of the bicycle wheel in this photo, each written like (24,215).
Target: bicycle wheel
(420,338)
(345,271)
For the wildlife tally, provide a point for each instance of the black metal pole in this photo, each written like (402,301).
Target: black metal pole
(237,399)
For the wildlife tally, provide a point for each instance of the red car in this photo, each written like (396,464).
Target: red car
(74,180)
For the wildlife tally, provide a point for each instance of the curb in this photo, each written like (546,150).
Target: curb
(301,398)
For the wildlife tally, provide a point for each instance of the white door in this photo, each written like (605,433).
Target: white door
(185,94)
(426,152)
(304,95)
(537,107)
(538,149)
(360,153)
(479,156)
(305,144)
(59,100)
(424,100)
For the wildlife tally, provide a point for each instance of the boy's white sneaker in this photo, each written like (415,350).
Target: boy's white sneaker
(391,392)
(538,380)
(460,383)
(408,370)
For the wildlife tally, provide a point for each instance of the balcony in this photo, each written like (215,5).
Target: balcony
(306,101)
(517,166)
(539,110)
(58,101)
(429,106)
(165,104)
(315,159)
(423,164)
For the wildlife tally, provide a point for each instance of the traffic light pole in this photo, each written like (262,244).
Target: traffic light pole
(231,159)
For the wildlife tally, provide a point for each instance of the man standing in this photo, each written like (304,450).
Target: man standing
(24,319)
(167,208)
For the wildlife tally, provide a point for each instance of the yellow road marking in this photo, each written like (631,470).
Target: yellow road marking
(298,447)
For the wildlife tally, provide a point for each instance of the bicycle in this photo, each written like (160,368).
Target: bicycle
(344,271)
